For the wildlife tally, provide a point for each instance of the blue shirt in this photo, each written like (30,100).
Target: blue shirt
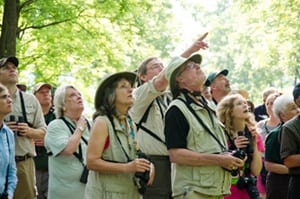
(7,161)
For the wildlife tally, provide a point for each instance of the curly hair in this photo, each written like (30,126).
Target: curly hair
(225,109)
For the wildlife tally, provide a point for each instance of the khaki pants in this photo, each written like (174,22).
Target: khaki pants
(196,195)
(26,180)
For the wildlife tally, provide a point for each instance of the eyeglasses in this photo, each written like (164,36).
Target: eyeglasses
(189,65)
(155,66)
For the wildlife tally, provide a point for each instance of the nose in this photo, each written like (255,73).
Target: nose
(9,99)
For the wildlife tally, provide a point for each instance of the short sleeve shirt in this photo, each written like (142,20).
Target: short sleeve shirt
(34,114)
(290,141)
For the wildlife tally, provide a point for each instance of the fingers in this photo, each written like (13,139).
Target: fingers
(253,132)
(241,141)
(81,122)
(23,129)
(232,163)
(203,36)
(151,175)
(39,142)
(142,165)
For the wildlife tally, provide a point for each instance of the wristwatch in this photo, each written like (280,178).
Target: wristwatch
(80,128)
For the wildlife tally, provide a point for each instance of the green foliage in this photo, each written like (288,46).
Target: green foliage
(81,41)
(257,41)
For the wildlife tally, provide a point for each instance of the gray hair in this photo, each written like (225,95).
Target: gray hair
(59,99)
(281,103)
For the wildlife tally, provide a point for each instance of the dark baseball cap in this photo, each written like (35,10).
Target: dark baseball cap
(213,76)
(11,59)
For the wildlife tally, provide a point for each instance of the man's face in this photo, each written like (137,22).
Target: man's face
(44,96)
(191,77)
(221,84)
(8,74)
(153,68)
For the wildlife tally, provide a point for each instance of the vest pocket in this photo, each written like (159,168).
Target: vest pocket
(205,175)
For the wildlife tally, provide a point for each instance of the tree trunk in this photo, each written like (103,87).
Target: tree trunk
(9,29)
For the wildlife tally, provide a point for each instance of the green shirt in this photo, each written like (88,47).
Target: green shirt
(272,145)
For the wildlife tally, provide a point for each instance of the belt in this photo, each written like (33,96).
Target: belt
(22,158)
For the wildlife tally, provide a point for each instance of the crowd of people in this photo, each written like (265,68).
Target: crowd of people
(157,133)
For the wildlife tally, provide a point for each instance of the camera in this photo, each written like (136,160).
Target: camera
(239,154)
(249,183)
(20,119)
(141,178)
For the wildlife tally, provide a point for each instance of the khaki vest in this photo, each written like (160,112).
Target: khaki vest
(209,180)
(122,182)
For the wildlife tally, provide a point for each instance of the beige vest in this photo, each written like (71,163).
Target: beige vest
(115,183)
(209,180)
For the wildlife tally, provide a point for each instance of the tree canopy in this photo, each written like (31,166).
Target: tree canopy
(80,41)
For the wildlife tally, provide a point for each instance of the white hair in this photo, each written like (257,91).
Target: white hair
(281,103)
(59,99)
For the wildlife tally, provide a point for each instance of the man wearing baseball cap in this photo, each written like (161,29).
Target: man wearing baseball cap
(151,101)
(195,139)
(27,122)
(289,148)
(219,85)
(42,92)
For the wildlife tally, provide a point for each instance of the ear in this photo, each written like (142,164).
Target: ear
(179,78)
(282,116)
(212,86)
(143,78)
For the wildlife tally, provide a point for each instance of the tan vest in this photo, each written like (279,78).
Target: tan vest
(209,180)
(121,183)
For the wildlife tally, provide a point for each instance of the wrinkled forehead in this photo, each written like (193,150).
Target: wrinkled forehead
(218,79)
(154,61)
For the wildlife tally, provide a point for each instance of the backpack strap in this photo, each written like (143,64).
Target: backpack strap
(223,147)
(144,119)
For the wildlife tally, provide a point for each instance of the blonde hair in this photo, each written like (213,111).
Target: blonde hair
(225,109)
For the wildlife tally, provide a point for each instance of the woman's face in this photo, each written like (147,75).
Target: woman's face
(124,93)
(269,103)
(73,100)
(5,102)
(240,108)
